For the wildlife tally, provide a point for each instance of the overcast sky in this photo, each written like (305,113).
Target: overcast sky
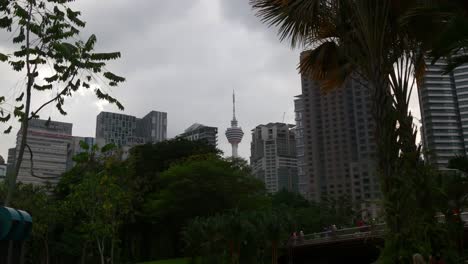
(183,57)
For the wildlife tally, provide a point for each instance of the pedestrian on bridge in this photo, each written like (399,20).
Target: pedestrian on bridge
(418,259)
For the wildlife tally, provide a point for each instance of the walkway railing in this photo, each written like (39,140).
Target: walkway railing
(363,232)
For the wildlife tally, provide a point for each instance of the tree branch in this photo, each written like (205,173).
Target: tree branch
(32,166)
(34,113)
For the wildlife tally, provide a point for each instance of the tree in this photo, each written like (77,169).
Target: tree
(145,164)
(200,186)
(289,199)
(449,38)
(53,60)
(102,202)
(367,41)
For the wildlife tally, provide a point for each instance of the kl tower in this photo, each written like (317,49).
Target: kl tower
(234,134)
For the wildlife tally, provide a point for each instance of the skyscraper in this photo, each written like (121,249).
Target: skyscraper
(126,130)
(273,156)
(339,143)
(299,134)
(443,100)
(202,133)
(234,134)
(50,146)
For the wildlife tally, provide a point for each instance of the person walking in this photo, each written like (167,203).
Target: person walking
(418,259)
(301,237)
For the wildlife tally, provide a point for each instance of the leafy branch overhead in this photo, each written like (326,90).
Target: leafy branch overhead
(54,59)
(47,34)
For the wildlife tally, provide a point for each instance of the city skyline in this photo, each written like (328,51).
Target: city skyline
(173,78)
(187,82)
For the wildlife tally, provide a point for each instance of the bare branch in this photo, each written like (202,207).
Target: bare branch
(32,166)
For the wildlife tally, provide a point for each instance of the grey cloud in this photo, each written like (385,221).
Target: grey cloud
(185,57)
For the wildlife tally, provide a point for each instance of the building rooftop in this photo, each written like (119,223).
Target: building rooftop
(2,160)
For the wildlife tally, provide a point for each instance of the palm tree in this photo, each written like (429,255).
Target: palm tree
(450,20)
(366,40)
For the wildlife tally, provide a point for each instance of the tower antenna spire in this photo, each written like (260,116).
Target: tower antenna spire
(233,104)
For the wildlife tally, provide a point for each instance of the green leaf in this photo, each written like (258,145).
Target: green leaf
(84,145)
(21,12)
(17,65)
(20,98)
(108,147)
(5,119)
(52,78)
(105,56)
(119,105)
(3,57)
(5,22)
(21,36)
(90,43)
(43,87)
(59,107)
(113,77)
(8,130)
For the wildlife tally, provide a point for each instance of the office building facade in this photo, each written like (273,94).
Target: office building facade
(339,142)
(443,100)
(50,144)
(201,132)
(273,156)
(125,130)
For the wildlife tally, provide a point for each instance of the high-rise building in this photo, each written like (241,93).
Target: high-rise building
(11,160)
(50,144)
(299,134)
(234,134)
(152,127)
(339,142)
(273,156)
(202,133)
(3,168)
(443,100)
(126,130)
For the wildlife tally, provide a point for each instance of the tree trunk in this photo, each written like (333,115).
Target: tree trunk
(83,254)
(46,247)
(25,119)
(10,252)
(23,252)
(274,248)
(112,251)
(101,246)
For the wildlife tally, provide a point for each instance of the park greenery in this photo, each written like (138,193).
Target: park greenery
(158,203)
(180,198)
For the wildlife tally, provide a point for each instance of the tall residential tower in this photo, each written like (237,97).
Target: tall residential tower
(339,142)
(444,110)
(234,134)
(273,157)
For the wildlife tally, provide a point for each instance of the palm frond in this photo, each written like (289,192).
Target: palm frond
(297,20)
(326,65)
